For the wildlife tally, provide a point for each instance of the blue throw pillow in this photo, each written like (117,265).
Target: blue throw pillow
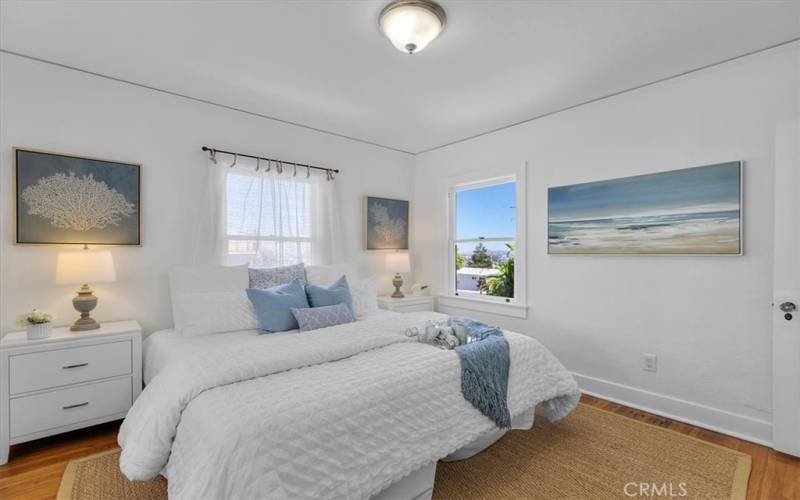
(273,305)
(314,318)
(338,293)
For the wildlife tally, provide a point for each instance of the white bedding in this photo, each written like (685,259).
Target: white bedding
(342,412)
(166,347)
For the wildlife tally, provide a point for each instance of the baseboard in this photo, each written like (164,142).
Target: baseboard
(739,426)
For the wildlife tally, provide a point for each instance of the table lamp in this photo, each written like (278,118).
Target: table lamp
(398,263)
(81,268)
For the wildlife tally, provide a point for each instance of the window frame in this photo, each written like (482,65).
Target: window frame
(516,306)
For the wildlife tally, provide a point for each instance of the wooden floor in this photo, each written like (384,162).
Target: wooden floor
(34,470)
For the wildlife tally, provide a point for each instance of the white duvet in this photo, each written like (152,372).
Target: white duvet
(341,412)
(167,347)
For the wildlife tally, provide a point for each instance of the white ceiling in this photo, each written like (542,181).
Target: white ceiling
(325,64)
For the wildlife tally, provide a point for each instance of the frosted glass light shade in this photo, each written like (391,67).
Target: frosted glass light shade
(84,267)
(412,24)
(398,262)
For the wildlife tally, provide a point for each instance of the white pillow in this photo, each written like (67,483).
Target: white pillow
(328,275)
(210,299)
(365,297)
(202,313)
(208,278)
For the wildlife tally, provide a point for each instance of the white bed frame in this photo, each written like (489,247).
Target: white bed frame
(419,484)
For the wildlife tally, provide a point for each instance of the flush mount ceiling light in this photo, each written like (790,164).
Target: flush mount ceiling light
(412,24)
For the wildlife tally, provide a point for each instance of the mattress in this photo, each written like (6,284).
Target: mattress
(165,347)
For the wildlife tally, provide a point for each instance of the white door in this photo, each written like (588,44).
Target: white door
(786,298)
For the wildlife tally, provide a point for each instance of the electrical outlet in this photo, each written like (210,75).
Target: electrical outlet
(650,362)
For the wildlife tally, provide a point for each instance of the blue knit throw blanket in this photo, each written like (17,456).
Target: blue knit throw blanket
(484,370)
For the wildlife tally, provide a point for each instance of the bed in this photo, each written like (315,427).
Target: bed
(168,346)
(356,410)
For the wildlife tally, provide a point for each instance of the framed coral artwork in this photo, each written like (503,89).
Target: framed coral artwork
(385,224)
(65,199)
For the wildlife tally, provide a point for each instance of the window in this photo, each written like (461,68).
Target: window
(268,219)
(485,240)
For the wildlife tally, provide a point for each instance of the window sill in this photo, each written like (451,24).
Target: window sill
(512,309)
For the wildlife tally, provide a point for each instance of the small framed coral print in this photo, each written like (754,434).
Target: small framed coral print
(385,224)
(65,199)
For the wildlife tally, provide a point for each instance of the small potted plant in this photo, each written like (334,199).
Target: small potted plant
(38,324)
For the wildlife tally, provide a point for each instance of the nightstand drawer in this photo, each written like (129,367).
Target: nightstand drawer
(407,304)
(48,369)
(406,308)
(49,410)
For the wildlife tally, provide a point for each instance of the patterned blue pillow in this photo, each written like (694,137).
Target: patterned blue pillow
(338,293)
(273,306)
(314,318)
(273,276)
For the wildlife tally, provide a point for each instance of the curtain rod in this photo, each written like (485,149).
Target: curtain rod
(214,151)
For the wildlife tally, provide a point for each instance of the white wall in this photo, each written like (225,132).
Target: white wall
(56,109)
(707,318)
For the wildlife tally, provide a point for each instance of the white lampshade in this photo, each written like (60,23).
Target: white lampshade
(398,262)
(412,24)
(84,267)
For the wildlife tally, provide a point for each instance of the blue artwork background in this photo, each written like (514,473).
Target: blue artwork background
(398,211)
(123,177)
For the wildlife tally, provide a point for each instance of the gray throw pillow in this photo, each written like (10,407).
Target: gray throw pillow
(314,318)
(270,277)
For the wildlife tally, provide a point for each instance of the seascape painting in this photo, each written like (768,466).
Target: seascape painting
(385,224)
(64,199)
(690,211)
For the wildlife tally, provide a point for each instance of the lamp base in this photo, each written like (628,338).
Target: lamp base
(84,324)
(84,302)
(397,282)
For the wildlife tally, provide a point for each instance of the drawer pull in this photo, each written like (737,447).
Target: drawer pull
(79,365)
(69,407)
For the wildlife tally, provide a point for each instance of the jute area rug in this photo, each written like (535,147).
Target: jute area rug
(591,454)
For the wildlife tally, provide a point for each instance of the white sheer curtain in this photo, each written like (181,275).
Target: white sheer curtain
(267,219)
(209,244)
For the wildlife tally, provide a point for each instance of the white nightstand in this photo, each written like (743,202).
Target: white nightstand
(67,381)
(409,303)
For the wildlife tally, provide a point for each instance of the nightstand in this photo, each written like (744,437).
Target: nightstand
(67,381)
(409,303)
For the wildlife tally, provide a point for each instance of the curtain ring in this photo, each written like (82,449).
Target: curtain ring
(308,171)
(279,166)
(295,170)
(258,164)
(269,165)
(235,157)
(212,155)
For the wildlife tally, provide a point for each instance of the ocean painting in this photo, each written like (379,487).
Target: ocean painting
(690,211)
